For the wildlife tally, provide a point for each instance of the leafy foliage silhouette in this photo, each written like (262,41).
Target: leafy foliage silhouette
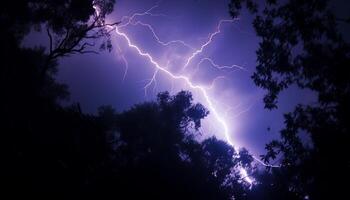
(302,46)
(161,158)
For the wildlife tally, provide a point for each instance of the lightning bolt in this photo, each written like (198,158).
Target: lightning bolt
(122,57)
(180,77)
(220,67)
(201,89)
(158,40)
(130,18)
(152,80)
(209,40)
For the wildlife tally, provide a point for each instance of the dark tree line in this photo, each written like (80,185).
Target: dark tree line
(302,46)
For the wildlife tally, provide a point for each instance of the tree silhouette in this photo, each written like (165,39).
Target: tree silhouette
(159,157)
(71,26)
(302,46)
(46,148)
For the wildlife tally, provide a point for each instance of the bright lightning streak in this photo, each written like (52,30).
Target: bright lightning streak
(246,177)
(243,172)
(130,18)
(157,37)
(180,77)
(264,164)
(210,39)
(147,12)
(220,67)
(201,89)
(126,63)
(152,80)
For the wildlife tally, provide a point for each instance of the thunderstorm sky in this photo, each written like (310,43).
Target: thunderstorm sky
(96,80)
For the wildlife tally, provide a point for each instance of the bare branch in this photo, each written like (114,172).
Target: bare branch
(71,42)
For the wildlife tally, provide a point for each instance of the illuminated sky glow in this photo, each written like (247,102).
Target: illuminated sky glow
(183,46)
(220,119)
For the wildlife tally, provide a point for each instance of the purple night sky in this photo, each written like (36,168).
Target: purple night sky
(96,80)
